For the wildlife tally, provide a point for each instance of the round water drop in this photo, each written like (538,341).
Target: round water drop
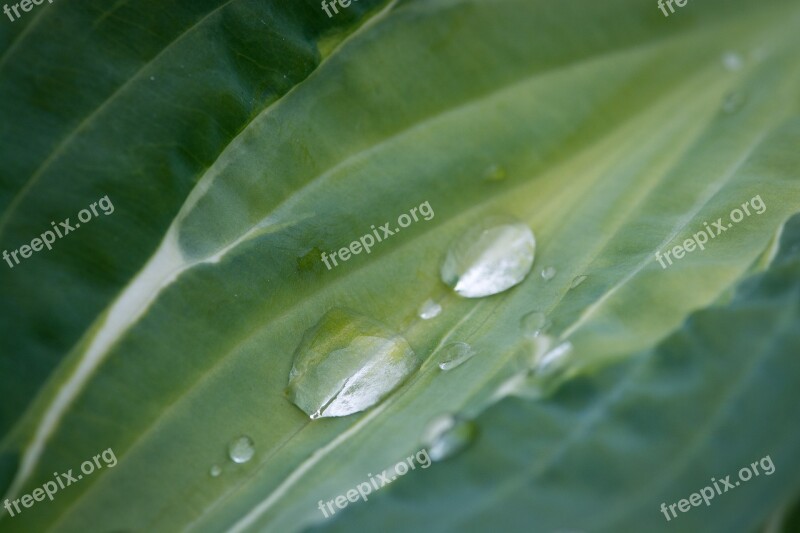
(446,435)
(548,273)
(215,471)
(429,309)
(534,324)
(495,173)
(732,61)
(241,450)
(455,355)
(577,281)
(489,258)
(733,102)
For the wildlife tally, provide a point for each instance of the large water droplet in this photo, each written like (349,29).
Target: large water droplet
(577,281)
(347,363)
(241,450)
(429,309)
(495,173)
(455,354)
(733,102)
(489,258)
(446,435)
(732,61)
(548,273)
(534,324)
(215,471)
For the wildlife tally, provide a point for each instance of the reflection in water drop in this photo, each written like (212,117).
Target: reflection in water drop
(447,435)
(548,273)
(577,281)
(241,450)
(489,258)
(455,354)
(554,358)
(215,471)
(347,363)
(429,309)
(534,324)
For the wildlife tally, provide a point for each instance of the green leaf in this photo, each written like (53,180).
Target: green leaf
(606,451)
(167,330)
(131,100)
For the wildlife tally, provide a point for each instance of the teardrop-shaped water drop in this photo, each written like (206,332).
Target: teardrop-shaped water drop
(495,173)
(447,435)
(241,450)
(577,281)
(347,363)
(732,61)
(733,102)
(489,258)
(534,324)
(456,354)
(548,273)
(429,309)
(215,471)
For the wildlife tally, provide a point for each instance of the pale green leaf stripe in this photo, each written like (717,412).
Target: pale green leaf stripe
(160,271)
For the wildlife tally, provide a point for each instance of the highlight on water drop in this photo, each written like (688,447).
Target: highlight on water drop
(489,258)
(347,363)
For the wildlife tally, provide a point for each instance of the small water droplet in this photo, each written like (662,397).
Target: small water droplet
(152,78)
(215,471)
(548,273)
(456,354)
(534,324)
(495,173)
(577,281)
(732,61)
(446,435)
(429,309)
(347,363)
(489,258)
(554,358)
(733,102)
(241,450)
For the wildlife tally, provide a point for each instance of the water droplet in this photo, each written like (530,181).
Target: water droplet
(577,281)
(446,435)
(548,273)
(429,309)
(456,354)
(241,450)
(347,363)
(495,173)
(215,471)
(733,102)
(732,61)
(554,358)
(534,324)
(489,258)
